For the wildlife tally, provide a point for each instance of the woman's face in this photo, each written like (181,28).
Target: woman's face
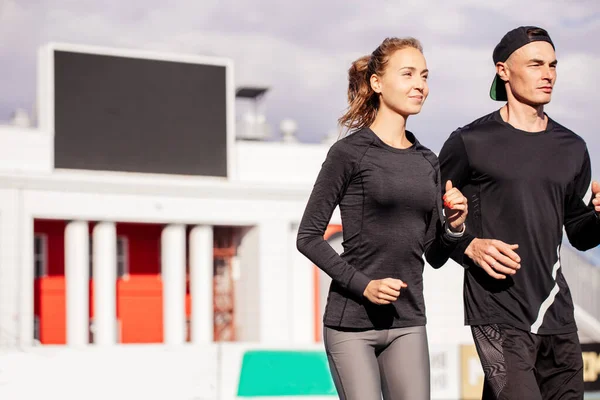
(403,86)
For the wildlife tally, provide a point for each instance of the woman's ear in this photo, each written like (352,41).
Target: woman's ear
(375,83)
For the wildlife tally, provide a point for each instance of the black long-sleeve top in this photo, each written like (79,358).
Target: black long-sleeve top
(391,210)
(522,189)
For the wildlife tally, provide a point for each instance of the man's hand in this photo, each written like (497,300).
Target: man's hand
(497,258)
(596,196)
(384,291)
(455,207)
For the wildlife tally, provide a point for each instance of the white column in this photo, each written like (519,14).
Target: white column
(16,272)
(275,282)
(173,278)
(247,292)
(77,282)
(26,295)
(201,283)
(105,280)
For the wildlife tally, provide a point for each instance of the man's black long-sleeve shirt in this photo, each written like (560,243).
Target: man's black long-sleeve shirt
(522,189)
(391,210)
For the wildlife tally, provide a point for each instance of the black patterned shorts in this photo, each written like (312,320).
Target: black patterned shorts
(520,365)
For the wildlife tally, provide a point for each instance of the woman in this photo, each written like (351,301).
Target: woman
(388,188)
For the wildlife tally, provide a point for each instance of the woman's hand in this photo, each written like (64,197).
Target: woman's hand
(455,208)
(383,291)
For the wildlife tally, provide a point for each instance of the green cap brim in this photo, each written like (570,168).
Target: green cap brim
(498,89)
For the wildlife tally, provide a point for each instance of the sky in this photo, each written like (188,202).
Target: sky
(302,51)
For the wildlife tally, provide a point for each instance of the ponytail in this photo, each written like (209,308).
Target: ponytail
(363,102)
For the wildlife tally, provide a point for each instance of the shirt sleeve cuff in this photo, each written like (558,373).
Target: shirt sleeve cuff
(358,284)
(458,254)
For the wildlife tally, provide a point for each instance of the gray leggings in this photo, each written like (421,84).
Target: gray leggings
(368,364)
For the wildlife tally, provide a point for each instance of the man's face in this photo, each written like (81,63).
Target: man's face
(531,73)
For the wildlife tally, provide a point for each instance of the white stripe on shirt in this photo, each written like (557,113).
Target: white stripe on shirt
(550,299)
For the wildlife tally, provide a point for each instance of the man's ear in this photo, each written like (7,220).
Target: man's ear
(502,71)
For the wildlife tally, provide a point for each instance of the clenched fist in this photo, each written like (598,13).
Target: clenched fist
(455,207)
(384,291)
(596,196)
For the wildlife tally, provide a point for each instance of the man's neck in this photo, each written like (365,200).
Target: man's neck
(524,116)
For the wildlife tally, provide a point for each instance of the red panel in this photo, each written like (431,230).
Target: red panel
(55,231)
(91,299)
(52,310)
(49,291)
(188,299)
(91,281)
(188,293)
(144,247)
(139,296)
(139,305)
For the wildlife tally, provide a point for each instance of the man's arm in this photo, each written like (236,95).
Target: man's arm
(582,222)
(454,167)
(497,258)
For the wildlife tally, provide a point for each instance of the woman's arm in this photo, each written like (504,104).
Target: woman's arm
(444,234)
(333,179)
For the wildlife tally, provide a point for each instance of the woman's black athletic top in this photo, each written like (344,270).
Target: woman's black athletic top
(391,210)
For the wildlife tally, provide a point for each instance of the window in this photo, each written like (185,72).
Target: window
(122,257)
(40,255)
(91,256)
(36,329)
(160,261)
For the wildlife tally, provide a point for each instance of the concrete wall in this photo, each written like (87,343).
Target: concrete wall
(279,163)
(25,150)
(210,372)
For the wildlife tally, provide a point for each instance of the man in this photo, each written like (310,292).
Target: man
(525,177)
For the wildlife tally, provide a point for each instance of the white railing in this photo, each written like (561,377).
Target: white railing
(583,279)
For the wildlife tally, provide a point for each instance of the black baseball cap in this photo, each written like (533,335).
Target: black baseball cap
(512,41)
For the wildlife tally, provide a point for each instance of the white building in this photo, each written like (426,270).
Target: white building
(157,249)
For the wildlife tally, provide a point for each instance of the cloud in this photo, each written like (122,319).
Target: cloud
(576,99)
(302,50)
